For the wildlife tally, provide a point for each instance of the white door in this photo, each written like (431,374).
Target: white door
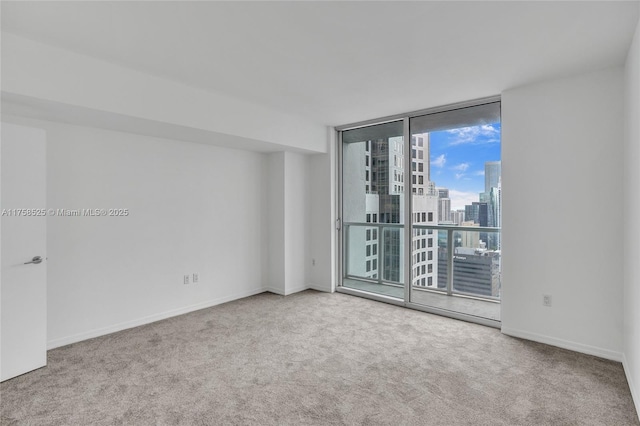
(23,312)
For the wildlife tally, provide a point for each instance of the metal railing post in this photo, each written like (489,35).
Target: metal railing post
(345,250)
(380,257)
(450,251)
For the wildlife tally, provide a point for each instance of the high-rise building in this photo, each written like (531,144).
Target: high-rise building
(425,203)
(444,205)
(371,237)
(470,239)
(457,217)
(420,170)
(492,196)
(498,214)
(363,260)
(387,161)
(477,271)
(383,177)
(492,173)
(444,210)
(384,203)
(477,212)
(494,216)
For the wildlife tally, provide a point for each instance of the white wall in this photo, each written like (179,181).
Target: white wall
(238,218)
(276,222)
(631,207)
(321,199)
(296,220)
(80,84)
(288,222)
(193,208)
(562,218)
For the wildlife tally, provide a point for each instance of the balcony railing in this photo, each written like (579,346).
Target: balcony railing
(449,259)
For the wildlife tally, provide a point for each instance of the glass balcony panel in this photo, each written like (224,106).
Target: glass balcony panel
(374,259)
(362,251)
(477,264)
(429,256)
(373,207)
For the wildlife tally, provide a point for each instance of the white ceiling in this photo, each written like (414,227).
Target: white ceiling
(340,62)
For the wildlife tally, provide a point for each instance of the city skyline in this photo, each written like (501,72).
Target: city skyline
(458,157)
(376,182)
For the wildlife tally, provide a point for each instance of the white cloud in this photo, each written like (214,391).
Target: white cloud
(462,167)
(488,129)
(439,161)
(487,132)
(479,173)
(459,175)
(459,199)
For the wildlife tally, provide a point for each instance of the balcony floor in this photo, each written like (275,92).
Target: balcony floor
(464,305)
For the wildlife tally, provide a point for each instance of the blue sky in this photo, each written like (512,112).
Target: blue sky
(458,157)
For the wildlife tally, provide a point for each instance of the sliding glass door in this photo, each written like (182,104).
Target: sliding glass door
(438,172)
(373,188)
(458,190)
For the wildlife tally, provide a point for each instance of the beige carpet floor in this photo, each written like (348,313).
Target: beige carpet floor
(316,358)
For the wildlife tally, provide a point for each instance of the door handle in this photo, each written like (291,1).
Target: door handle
(36,260)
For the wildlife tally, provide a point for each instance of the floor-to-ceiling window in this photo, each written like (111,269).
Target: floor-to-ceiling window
(439,172)
(373,188)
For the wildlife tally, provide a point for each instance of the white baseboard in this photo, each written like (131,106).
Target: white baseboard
(565,344)
(56,343)
(634,395)
(319,288)
(274,290)
(297,289)
(292,290)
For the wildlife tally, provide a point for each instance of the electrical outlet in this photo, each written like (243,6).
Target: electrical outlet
(546,300)
(195,277)
(186,279)
(313,262)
